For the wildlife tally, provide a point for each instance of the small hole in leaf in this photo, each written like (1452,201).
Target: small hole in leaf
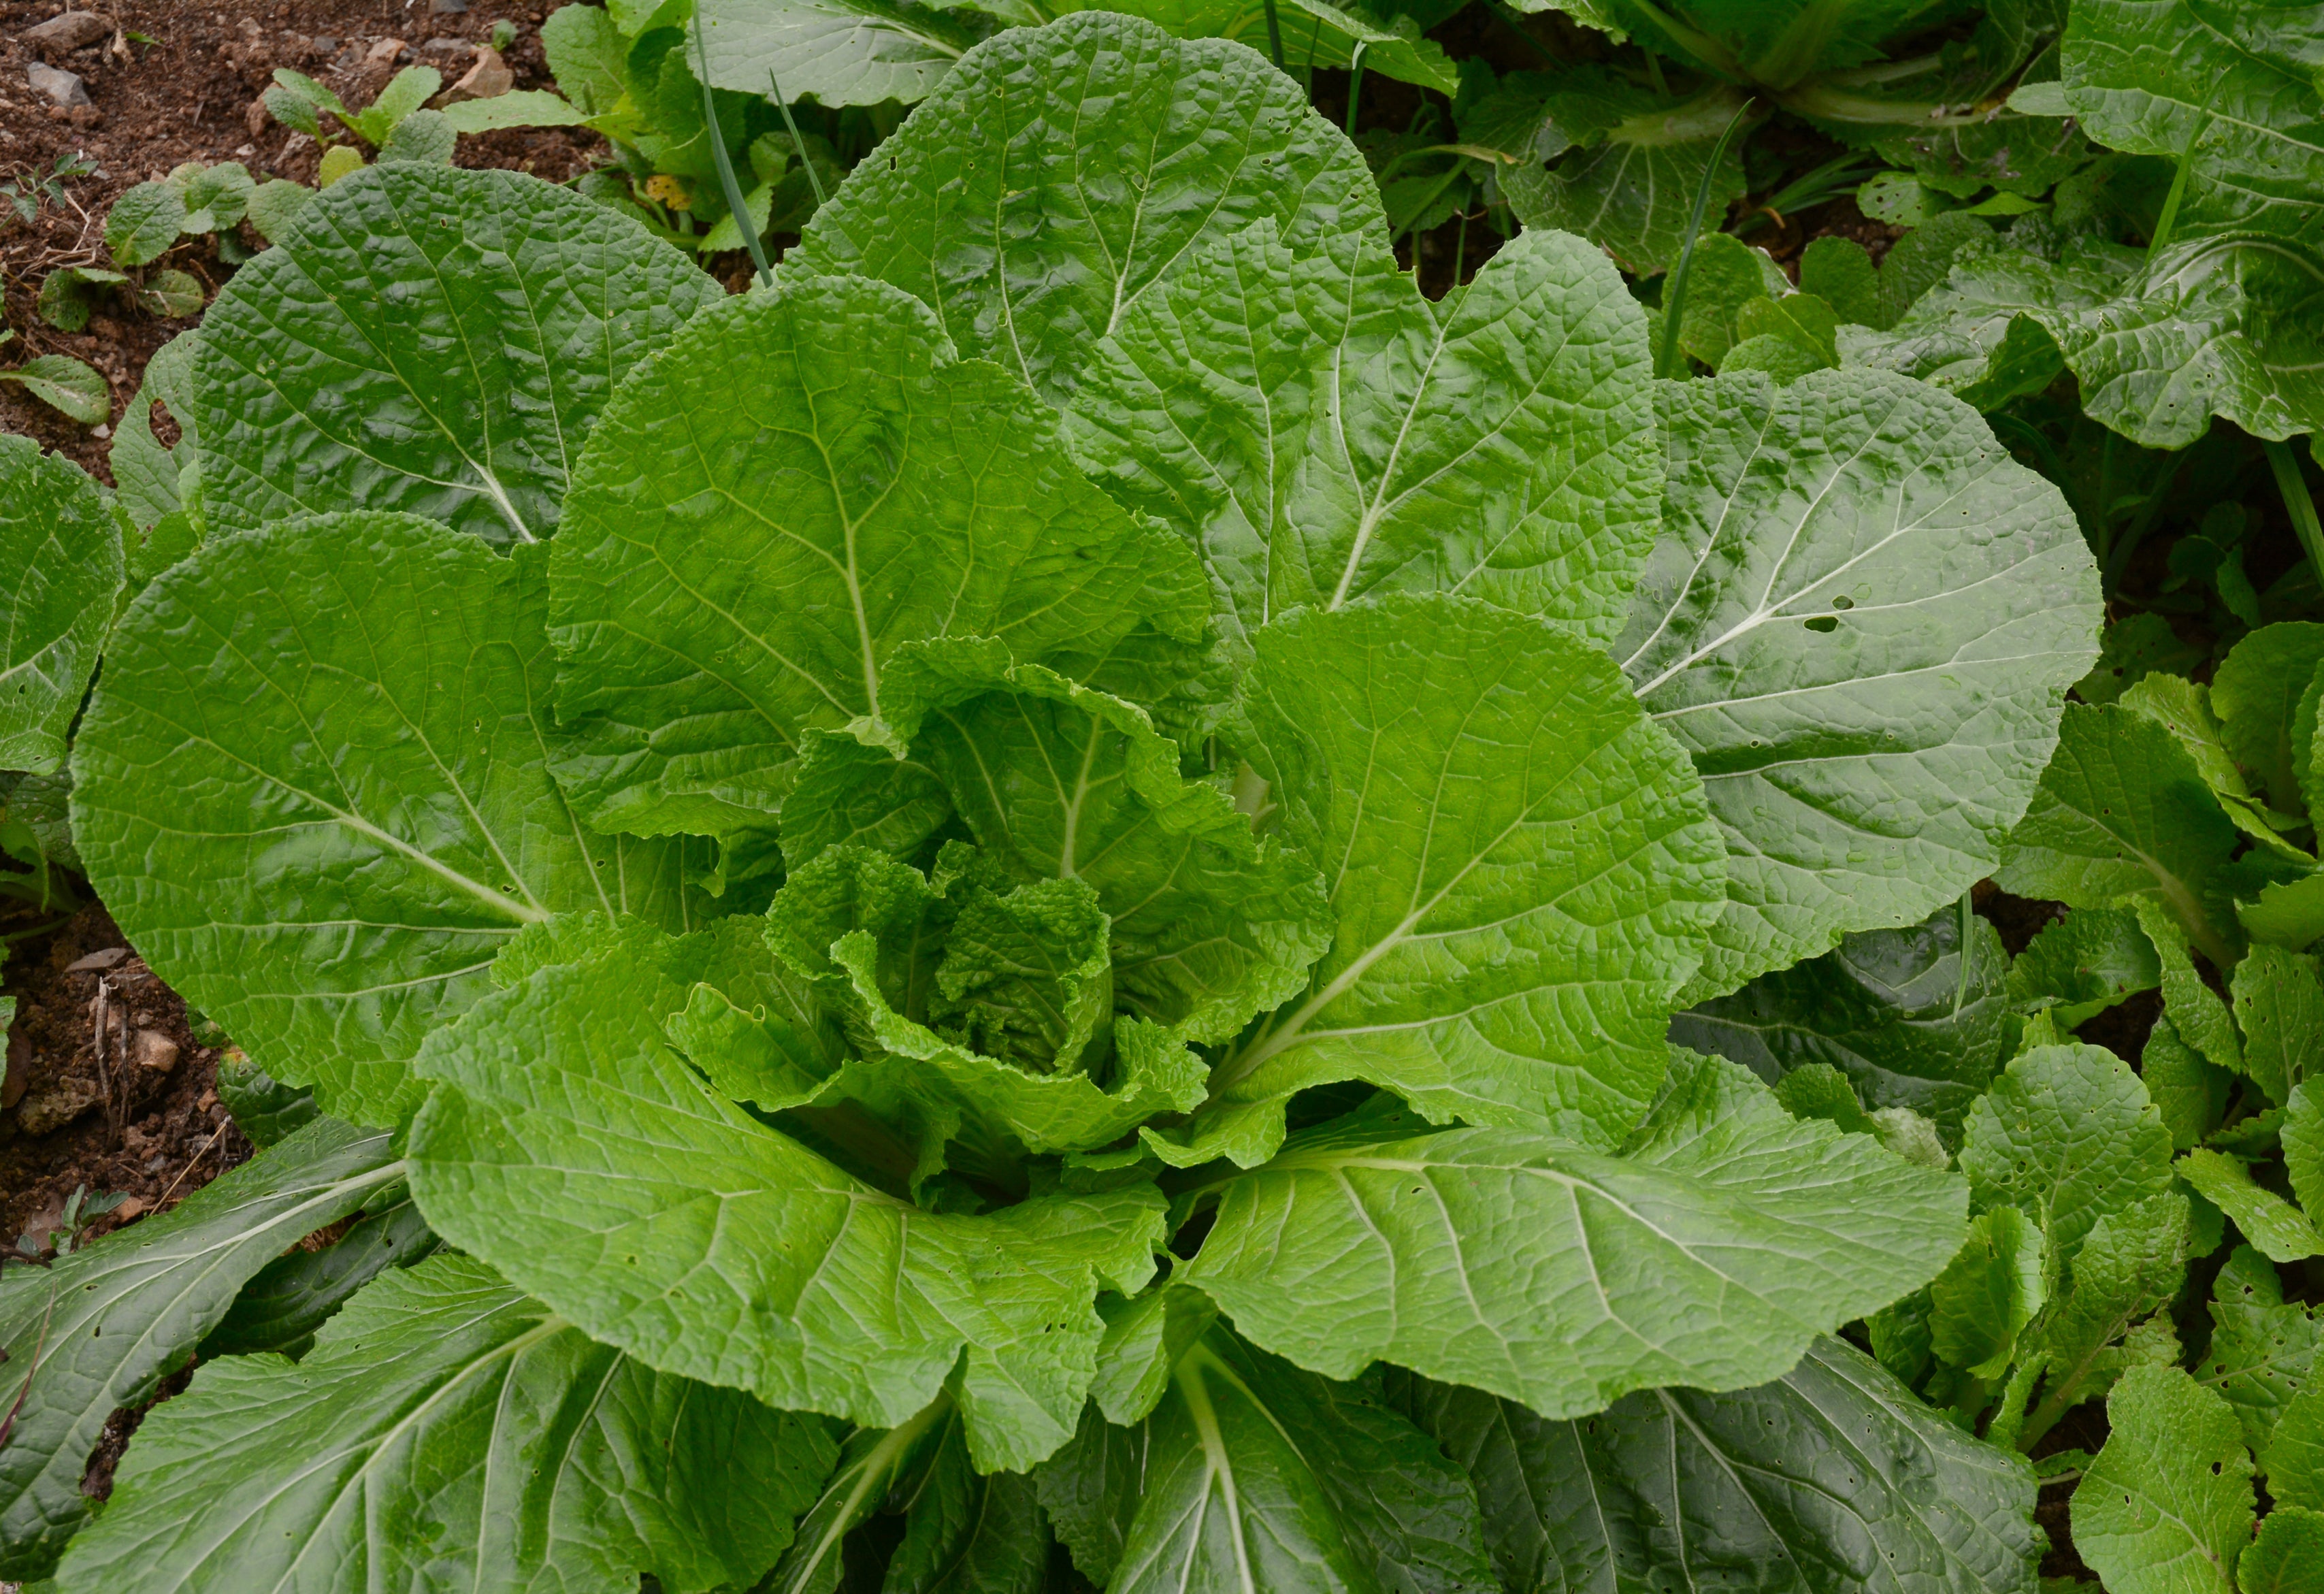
(1823,623)
(1843,602)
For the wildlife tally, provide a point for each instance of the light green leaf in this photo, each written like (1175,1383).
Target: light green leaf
(1914,1018)
(1841,273)
(1860,608)
(1834,1479)
(2295,1453)
(836,53)
(2190,1091)
(62,545)
(2257,693)
(715,1248)
(432,340)
(1728,276)
(2263,1348)
(2303,1145)
(102,1327)
(586,53)
(2287,1556)
(1800,319)
(1315,33)
(2269,1221)
(73,389)
(1254,1476)
(1521,873)
(2194,1008)
(443,1428)
(274,205)
(2187,709)
(1988,1293)
(2167,1506)
(2279,1005)
(329,911)
(1122,145)
(522,108)
(1327,433)
(2122,812)
(1709,1251)
(145,473)
(2131,1264)
(2069,1135)
(143,223)
(818,560)
(2083,965)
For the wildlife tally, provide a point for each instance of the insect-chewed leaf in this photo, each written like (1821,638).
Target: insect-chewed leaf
(1324,432)
(711,1246)
(428,339)
(2167,1503)
(1709,1251)
(61,545)
(446,1428)
(1520,868)
(1061,171)
(780,522)
(99,1328)
(329,909)
(1835,1478)
(1861,620)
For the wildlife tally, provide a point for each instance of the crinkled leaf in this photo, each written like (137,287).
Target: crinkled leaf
(428,339)
(2286,1556)
(1326,432)
(1913,1016)
(1834,1479)
(2189,1089)
(2279,1005)
(100,1328)
(145,473)
(836,53)
(328,910)
(143,223)
(1519,871)
(446,1428)
(61,543)
(2084,963)
(2303,1145)
(714,1247)
(2263,1348)
(2167,1506)
(1860,620)
(730,578)
(1988,1293)
(2295,1453)
(2068,1134)
(1709,1251)
(2257,693)
(1062,172)
(2131,1264)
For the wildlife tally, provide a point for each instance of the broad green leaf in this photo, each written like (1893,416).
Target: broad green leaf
(1840,271)
(1728,275)
(525,107)
(1209,925)
(1315,33)
(2287,1556)
(1253,1476)
(143,223)
(1327,433)
(1914,1018)
(71,387)
(873,1464)
(62,544)
(2131,1264)
(1520,873)
(2269,1221)
(730,578)
(2167,1506)
(1834,1479)
(1061,172)
(1708,1251)
(2303,1145)
(2069,1135)
(586,53)
(2189,1090)
(265,1110)
(1629,164)
(446,1429)
(2083,965)
(2263,1348)
(965,1533)
(2188,710)
(2257,692)
(145,473)
(2294,1453)
(836,52)
(2163,78)
(2122,812)
(328,910)
(2279,1005)
(287,1300)
(1988,1293)
(1860,620)
(1144,1339)
(428,339)
(713,1247)
(101,1328)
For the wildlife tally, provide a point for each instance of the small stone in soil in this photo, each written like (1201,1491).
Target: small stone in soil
(104,959)
(68,30)
(447,7)
(61,89)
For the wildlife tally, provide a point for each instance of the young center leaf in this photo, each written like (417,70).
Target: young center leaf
(1861,619)
(1113,147)
(1834,1479)
(431,340)
(1520,873)
(444,1426)
(734,574)
(1709,1249)
(329,910)
(101,1328)
(61,543)
(2068,1134)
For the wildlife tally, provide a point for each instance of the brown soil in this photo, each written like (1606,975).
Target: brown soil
(110,1123)
(189,95)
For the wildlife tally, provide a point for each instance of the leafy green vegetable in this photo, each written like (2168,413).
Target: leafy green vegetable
(2167,1505)
(2069,1134)
(56,529)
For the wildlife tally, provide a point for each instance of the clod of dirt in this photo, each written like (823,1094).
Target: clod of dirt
(155,1051)
(60,88)
(68,30)
(489,78)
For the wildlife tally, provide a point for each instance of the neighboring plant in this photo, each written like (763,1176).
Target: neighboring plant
(954,962)
(71,387)
(27,194)
(396,123)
